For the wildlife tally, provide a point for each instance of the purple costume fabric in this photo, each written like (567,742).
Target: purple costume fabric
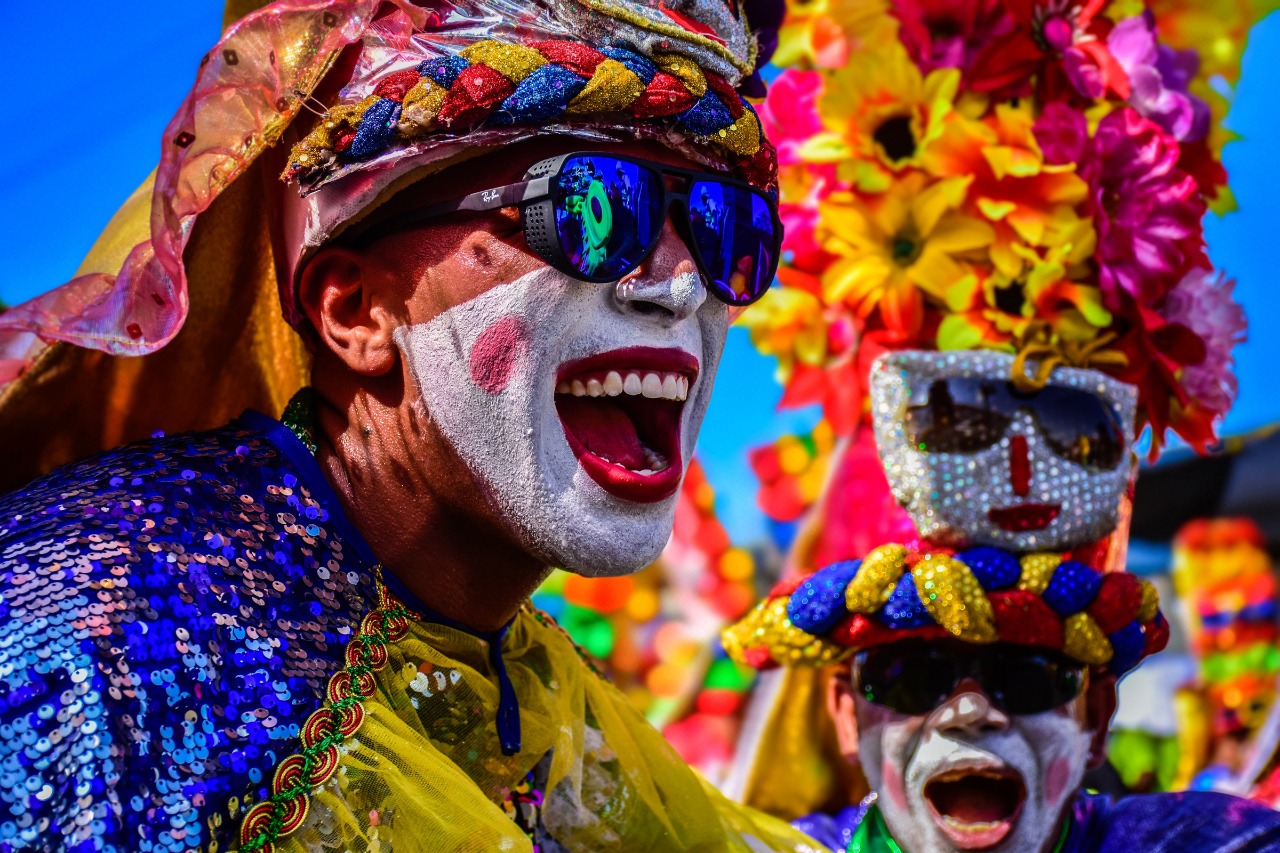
(1192,821)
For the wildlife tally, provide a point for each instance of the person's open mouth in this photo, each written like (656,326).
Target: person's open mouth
(622,413)
(976,807)
(1024,517)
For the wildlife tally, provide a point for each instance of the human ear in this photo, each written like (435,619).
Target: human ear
(1100,705)
(843,710)
(345,309)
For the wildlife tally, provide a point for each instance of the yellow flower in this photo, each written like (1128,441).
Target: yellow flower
(988,309)
(825,33)
(895,247)
(790,325)
(881,115)
(1030,203)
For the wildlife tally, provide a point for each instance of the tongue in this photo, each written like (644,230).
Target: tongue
(975,799)
(603,428)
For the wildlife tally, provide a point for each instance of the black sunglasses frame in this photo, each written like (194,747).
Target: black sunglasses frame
(535,195)
(981,664)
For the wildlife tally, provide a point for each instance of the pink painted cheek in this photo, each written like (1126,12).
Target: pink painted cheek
(497,352)
(893,787)
(1055,779)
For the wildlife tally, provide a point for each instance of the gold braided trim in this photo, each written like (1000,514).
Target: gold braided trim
(285,810)
(635,19)
(1041,345)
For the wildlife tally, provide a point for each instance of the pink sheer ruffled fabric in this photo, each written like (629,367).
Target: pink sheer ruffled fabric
(244,97)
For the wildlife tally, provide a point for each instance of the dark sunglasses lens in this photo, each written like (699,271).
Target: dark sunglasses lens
(906,677)
(958,416)
(736,239)
(1027,682)
(1080,427)
(608,212)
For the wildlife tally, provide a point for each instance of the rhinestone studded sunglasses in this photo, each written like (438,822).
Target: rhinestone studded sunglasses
(597,217)
(916,677)
(966,415)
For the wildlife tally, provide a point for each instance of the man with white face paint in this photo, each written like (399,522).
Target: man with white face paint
(521,230)
(971,673)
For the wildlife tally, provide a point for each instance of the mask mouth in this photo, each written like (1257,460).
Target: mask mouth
(1024,518)
(622,413)
(976,807)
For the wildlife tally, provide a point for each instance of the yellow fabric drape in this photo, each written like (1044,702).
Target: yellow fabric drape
(425,770)
(234,352)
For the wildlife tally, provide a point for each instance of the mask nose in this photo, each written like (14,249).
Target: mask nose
(970,710)
(1019,466)
(667,286)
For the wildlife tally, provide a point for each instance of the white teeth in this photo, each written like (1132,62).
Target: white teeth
(646,472)
(651,386)
(655,386)
(671,387)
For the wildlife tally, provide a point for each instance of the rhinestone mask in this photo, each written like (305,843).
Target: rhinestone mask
(1013,485)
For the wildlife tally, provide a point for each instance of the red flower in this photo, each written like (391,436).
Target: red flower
(1062,44)
(949,33)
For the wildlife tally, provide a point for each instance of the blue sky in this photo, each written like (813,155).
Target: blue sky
(86,122)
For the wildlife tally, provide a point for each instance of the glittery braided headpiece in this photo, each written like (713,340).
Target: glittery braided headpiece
(983,595)
(498,83)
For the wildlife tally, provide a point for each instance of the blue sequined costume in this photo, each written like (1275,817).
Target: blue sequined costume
(172,611)
(1192,821)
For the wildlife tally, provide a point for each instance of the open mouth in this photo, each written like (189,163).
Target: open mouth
(621,412)
(1024,517)
(976,807)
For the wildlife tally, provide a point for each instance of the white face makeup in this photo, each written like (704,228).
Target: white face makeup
(575,406)
(969,777)
(1002,467)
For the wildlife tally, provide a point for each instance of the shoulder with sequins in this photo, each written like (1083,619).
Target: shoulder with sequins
(169,613)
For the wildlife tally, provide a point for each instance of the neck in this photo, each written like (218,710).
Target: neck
(399,482)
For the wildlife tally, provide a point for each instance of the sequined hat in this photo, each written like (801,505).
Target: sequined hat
(1109,620)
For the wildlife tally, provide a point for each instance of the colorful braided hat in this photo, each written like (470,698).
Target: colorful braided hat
(1109,620)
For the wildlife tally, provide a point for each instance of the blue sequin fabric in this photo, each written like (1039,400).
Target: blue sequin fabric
(172,611)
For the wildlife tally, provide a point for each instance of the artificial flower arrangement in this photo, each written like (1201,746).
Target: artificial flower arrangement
(1022,175)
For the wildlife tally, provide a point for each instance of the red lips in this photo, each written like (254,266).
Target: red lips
(622,412)
(1024,517)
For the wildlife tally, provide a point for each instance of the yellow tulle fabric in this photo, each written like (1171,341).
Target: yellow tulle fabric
(425,770)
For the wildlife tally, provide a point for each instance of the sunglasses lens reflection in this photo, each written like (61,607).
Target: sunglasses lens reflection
(608,213)
(734,234)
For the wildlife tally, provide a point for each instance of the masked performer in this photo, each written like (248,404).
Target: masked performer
(314,635)
(998,234)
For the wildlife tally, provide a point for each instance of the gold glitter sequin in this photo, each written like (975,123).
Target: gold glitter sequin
(743,136)
(421,106)
(1150,605)
(767,626)
(1085,641)
(872,586)
(513,61)
(684,70)
(954,598)
(1037,571)
(612,88)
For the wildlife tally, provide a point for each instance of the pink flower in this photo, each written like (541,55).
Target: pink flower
(1158,79)
(1203,303)
(789,116)
(1147,211)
